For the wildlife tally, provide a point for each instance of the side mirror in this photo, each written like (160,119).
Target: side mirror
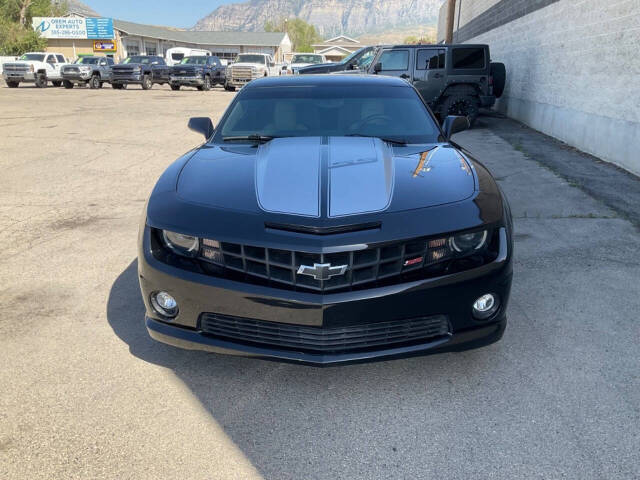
(377,67)
(201,125)
(454,124)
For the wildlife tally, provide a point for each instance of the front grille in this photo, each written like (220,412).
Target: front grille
(323,340)
(15,68)
(362,266)
(124,71)
(70,70)
(242,73)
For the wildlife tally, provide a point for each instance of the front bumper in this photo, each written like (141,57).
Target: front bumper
(239,82)
(19,77)
(190,81)
(77,78)
(122,79)
(450,295)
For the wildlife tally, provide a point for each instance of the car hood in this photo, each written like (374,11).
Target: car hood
(320,177)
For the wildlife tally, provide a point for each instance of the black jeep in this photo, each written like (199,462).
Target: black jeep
(144,70)
(452,79)
(201,72)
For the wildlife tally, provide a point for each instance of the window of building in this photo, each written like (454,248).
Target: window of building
(430,59)
(151,48)
(132,49)
(468,58)
(395,60)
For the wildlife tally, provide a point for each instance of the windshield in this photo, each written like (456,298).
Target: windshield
(393,113)
(177,56)
(194,61)
(307,58)
(88,60)
(364,58)
(251,58)
(138,59)
(37,57)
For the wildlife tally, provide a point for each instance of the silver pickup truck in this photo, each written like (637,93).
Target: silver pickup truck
(91,71)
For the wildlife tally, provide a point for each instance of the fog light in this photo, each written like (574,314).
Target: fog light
(485,306)
(164,304)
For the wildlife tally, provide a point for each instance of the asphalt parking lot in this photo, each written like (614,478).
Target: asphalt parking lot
(85,393)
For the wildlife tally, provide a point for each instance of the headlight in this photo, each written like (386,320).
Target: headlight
(181,244)
(468,242)
(85,68)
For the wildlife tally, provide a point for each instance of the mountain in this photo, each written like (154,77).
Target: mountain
(78,7)
(331,17)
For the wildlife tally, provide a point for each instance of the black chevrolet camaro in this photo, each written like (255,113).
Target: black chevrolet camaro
(327,219)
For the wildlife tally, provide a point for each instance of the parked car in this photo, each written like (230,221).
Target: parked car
(453,79)
(175,55)
(357,61)
(247,67)
(200,72)
(299,60)
(144,70)
(326,219)
(91,71)
(35,67)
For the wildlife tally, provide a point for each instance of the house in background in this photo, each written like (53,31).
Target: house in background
(335,49)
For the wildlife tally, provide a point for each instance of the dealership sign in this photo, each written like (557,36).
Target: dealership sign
(73,27)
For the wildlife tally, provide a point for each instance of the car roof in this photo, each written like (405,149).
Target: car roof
(440,45)
(324,80)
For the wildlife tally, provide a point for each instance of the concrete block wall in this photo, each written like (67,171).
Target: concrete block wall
(573,68)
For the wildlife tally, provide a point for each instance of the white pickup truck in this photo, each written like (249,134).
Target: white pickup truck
(35,67)
(249,66)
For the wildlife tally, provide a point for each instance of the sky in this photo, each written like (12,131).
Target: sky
(183,14)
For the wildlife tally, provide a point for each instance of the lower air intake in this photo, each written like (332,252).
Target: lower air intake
(301,338)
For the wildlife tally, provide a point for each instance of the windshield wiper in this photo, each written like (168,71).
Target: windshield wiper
(253,138)
(388,140)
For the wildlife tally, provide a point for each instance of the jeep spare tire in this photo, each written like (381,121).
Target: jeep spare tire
(499,75)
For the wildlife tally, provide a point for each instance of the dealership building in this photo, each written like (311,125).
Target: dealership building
(77,35)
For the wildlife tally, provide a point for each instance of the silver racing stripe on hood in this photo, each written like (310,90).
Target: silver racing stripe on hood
(288,176)
(360,175)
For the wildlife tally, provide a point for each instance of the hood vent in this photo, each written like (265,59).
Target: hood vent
(324,230)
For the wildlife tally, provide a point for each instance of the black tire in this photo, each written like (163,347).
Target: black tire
(147,83)
(94,83)
(499,75)
(462,105)
(41,80)
(175,87)
(11,84)
(68,84)
(206,86)
(229,88)
(57,83)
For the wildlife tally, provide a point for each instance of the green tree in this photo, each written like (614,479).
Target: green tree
(16,34)
(302,34)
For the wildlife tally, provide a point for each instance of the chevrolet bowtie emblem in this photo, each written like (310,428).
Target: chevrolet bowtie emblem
(322,271)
